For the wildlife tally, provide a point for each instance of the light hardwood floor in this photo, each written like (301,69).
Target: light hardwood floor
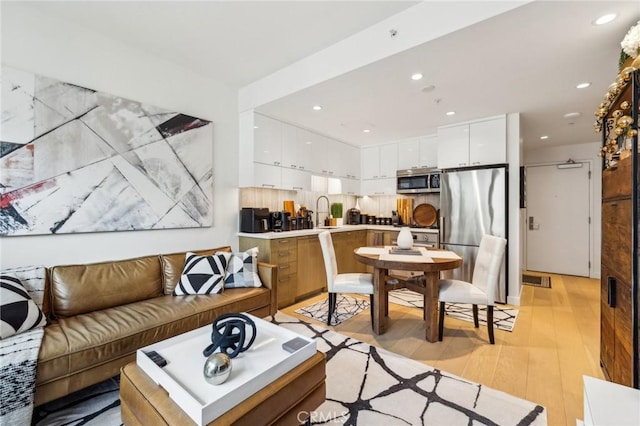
(555,342)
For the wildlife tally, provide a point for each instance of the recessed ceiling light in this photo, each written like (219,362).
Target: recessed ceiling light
(544,137)
(366,131)
(605,19)
(572,115)
(583,85)
(416,76)
(450,113)
(317,107)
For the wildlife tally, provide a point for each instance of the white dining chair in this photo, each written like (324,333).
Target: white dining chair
(359,283)
(482,288)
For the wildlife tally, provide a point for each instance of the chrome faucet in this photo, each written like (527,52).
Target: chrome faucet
(318,210)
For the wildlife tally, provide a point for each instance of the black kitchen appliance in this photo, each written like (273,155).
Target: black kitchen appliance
(254,219)
(286,221)
(276,221)
(353,217)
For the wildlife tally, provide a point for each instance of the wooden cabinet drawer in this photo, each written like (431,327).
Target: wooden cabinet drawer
(616,237)
(617,182)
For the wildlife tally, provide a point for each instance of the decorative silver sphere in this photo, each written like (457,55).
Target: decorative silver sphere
(217,368)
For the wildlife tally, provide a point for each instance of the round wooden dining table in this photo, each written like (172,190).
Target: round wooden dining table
(428,286)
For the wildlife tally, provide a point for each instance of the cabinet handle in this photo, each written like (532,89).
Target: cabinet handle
(285,253)
(475,162)
(298,187)
(324,171)
(330,172)
(301,167)
(611,291)
(268,185)
(277,163)
(284,266)
(284,241)
(293,166)
(462,164)
(375,177)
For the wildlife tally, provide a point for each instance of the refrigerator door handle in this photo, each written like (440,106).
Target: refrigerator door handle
(442,230)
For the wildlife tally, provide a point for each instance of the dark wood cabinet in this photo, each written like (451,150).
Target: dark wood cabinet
(619,346)
(344,243)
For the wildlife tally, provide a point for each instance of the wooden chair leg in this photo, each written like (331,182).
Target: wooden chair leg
(441,321)
(476,324)
(332,307)
(490,324)
(371,308)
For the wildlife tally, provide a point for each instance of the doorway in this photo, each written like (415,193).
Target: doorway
(558,218)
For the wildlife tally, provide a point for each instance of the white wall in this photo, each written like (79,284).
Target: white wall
(43,45)
(579,152)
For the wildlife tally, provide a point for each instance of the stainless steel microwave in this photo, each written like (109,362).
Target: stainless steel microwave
(417,181)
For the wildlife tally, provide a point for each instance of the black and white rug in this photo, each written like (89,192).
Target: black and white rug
(346,307)
(366,385)
(503,318)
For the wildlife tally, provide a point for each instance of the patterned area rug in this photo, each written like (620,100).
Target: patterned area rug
(503,318)
(366,385)
(346,307)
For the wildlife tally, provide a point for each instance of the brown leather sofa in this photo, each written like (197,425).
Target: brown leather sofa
(101,313)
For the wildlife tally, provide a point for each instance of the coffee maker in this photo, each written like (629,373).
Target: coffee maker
(276,221)
(254,219)
(353,217)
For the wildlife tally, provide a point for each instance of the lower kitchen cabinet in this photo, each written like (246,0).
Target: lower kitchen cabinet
(312,277)
(300,262)
(344,244)
(282,252)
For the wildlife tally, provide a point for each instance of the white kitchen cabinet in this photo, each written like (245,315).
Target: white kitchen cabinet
(417,153)
(296,148)
(351,186)
(409,154)
(296,180)
(488,142)
(267,140)
(319,154)
(352,158)
(386,186)
(267,176)
(473,144)
(388,161)
(428,151)
(371,162)
(380,162)
(453,147)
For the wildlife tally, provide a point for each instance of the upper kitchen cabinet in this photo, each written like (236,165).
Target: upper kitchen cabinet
(416,153)
(267,140)
(296,147)
(344,160)
(380,162)
(473,144)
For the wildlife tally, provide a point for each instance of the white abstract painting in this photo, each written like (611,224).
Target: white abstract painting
(76,160)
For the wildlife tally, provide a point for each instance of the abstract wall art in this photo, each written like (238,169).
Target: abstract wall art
(74,159)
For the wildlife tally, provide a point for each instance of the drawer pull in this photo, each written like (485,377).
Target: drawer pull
(611,291)
(284,266)
(283,253)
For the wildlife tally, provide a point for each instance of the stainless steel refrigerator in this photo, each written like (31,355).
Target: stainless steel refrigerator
(474,202)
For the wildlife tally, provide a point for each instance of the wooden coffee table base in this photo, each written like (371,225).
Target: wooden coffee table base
(288,400)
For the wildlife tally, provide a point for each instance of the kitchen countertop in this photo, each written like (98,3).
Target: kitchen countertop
(316,231)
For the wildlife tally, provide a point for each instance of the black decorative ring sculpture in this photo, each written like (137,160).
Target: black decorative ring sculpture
(230,333)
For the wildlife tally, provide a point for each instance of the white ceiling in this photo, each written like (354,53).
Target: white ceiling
(527,60)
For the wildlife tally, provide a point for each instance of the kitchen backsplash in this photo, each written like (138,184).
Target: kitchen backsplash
(380,205)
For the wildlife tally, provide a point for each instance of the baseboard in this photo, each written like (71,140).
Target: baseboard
(513,300)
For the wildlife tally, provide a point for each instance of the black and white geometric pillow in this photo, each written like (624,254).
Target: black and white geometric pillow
(202,275)
(18,312)
(242,269)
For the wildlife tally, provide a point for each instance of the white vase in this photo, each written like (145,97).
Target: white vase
(405,239)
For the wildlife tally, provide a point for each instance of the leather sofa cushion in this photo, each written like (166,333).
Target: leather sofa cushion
(173,265)
(84,342)
(78,289)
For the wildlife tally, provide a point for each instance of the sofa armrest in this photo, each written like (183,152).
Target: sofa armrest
(269,276)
